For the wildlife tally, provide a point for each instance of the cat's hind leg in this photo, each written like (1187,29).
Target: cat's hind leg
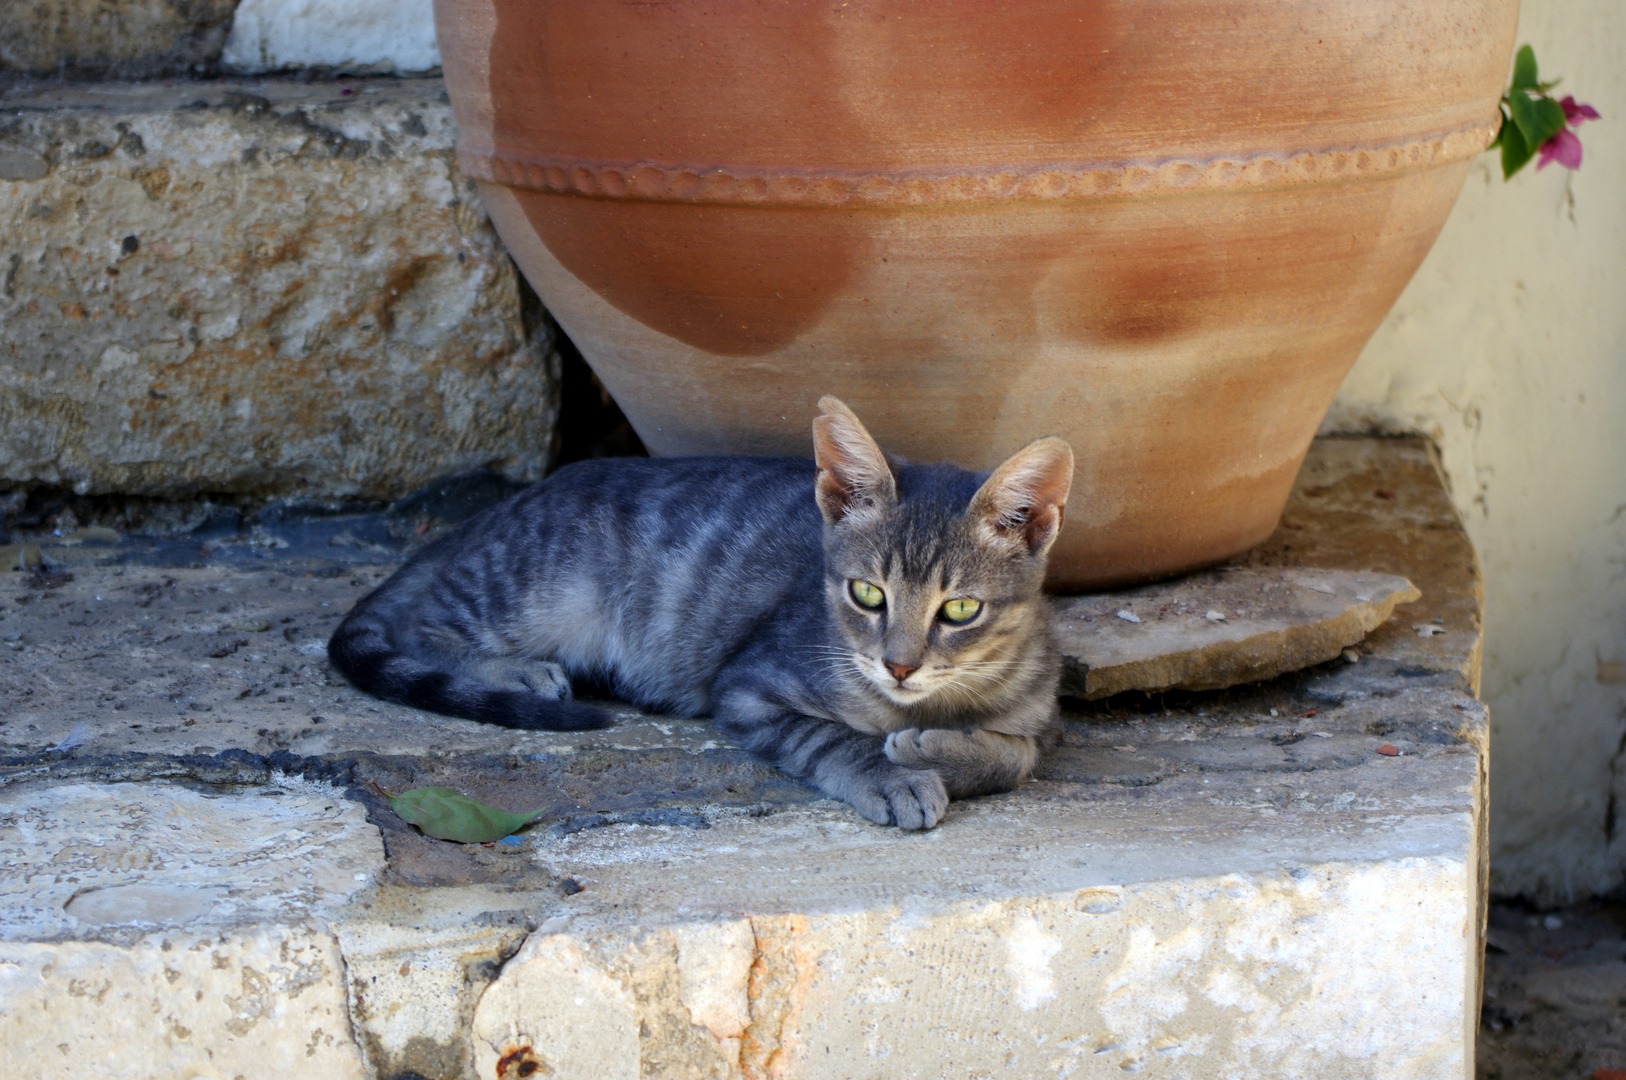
(508,691)
(543,678)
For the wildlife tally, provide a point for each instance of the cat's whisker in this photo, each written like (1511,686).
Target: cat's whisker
(996,676)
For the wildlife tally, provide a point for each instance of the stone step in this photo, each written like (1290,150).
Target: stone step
(274,288)
(136,39)
(1277,880)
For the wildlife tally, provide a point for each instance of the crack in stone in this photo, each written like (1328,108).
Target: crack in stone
(1611,810)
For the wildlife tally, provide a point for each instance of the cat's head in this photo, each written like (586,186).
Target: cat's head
(933,574)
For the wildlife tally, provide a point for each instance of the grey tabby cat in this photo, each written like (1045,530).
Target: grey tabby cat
(876,630)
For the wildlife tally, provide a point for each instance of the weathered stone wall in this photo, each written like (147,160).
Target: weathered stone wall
(134,39)
(269,288)
(119,38)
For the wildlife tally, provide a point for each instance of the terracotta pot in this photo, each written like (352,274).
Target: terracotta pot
(1162,229)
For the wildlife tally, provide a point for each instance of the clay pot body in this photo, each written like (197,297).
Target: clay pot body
(1162,229)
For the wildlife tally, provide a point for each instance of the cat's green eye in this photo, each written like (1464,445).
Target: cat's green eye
(962,610)
(866,594)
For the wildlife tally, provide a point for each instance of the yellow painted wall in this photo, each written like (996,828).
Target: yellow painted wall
(1509,350)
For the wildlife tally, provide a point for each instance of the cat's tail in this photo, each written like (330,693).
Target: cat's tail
(362,652)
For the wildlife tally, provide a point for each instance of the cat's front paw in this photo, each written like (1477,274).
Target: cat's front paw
(970,762)
(916,749)
(911,799)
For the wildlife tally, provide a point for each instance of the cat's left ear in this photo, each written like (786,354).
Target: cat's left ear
(1023,501)
(853,474)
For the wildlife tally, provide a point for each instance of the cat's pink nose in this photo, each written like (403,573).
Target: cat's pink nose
(901,671)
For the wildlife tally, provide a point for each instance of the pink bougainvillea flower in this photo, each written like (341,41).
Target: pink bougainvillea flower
(1536,125)
(1575,112)
(1563,148)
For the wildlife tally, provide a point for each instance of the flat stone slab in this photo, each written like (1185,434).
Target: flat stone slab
(1217,628)
(1277,880)
(214,859)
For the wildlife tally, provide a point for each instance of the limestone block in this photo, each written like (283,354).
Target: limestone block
(417,961)
(118,38)
(1324,971)
(350,35)
(273,288)
(81,858)
(153,930)
(265,1002)
(1218,628)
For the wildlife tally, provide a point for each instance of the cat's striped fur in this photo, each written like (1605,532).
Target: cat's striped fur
(724,586)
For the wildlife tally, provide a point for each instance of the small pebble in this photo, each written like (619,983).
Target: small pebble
(251,626)
(1214,616)
(1553,922)
(1273,712)
(1427,629)
(1128,616)
(511,840)
(1352,656)
(1389,750)
(1322,734)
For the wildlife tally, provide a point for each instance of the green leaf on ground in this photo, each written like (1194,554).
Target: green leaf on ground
(1524,69)
(447,815)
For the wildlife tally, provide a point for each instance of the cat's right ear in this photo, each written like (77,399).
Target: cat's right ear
(854,477)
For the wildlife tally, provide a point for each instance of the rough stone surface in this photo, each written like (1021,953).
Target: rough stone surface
(348,35)
(91,857)
(117,38)
(267,1001)
(1274,972)
(152,930)
(1379,506)
(1232,883)
(1210,630)
(266,288)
